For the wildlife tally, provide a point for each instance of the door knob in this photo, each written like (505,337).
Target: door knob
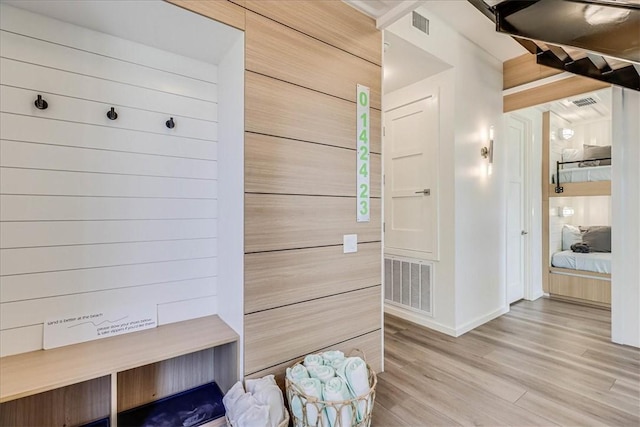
(522,233)
(426,192)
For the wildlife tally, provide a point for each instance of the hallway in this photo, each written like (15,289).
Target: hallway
(545,363)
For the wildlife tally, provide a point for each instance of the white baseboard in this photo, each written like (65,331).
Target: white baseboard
(419,319)
(480,321)
(537,295)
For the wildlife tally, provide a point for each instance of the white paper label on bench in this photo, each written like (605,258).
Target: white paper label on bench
(83,327)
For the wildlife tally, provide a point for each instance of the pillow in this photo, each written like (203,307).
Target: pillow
(571,155)
(570,235)
(597,152)
(598,238)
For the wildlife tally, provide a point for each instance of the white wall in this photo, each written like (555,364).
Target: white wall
(625,195)
(473,204)
(96,214)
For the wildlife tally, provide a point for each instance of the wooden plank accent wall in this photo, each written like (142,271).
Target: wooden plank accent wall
(302,294)
(524,69)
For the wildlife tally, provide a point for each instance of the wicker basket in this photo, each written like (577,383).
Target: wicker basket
(284,423)
(363,402)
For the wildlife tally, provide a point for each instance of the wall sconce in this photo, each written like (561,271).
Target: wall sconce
(487,152)
(565,211)
(565,133)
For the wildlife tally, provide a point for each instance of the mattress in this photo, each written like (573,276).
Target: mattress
(598,262)
(592,173)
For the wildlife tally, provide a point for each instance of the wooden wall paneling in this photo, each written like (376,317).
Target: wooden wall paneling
(49,284)
(46,80)
(67,208)
(56,258)
(277,108)
(20,101)
(59,32)
(285,166)
(52,157)
(550,92)
(275,222)
(220,10)
(152,382)
(51,233)
(368,343)
(597,290)
(67,406)
(274,279)
(17,127)
(281,52)
(524,69)
(38,310)
(332,22)
(287,332)
(62,183)
(41,57)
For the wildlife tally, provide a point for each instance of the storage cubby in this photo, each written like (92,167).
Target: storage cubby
(80,383)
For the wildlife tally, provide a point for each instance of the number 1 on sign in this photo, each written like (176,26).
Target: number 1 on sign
(362,155)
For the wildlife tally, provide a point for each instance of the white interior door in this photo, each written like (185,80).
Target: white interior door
(517,230)
(411,160)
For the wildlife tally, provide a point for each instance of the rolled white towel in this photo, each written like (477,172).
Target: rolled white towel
(253,385)
(354,372)
(254,416)
(297,373)
(330,356)
(311,387)
(230,398)
(271,396)
(313,360)
(337,364)
(323,373)
(335,390)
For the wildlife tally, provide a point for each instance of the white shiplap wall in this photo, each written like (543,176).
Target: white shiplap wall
(95,213)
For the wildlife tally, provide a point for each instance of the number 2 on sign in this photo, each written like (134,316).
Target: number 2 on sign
(362,154)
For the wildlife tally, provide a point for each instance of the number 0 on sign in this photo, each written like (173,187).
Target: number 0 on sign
(362,164)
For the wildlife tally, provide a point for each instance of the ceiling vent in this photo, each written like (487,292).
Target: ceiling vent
(420,22)
(584,102)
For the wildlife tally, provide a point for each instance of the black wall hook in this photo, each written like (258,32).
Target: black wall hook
(111,114)
(170,123)
(40,103)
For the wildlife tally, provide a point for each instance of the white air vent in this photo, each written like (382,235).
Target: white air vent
(408,283)
(583,102)
(420,22)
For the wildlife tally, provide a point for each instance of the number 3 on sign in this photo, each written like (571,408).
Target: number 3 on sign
(362,156)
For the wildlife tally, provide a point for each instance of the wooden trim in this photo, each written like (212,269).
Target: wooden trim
(546,135)
(332,22)
(368,343)
(274,107)
(551,92)
(30,373)
(288,332)
(220,10)
(571,189)
(285,166)
(283,53)
(580,301)
(594,274)
(274,279)
(524,69)
(276,222)
(583,288)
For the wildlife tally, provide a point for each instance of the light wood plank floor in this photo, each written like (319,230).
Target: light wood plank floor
(545,363)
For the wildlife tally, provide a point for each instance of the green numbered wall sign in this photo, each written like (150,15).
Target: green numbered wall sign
(362,163)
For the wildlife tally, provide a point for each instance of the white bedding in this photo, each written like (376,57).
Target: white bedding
(599,262)
(592,173)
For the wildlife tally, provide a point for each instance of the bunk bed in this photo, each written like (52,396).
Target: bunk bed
(583,278)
